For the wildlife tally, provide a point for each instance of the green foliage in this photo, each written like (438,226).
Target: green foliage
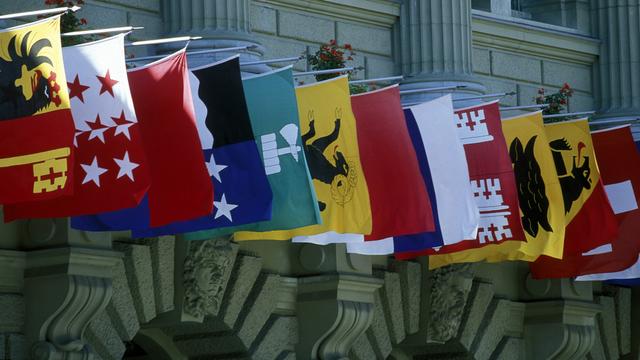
(557,101)
(69,21)
(332,55)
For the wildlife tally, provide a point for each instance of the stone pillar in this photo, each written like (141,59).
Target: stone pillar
(222,23)
(617,72)
(560,318)
(435,47)
(335,300)
(67,283)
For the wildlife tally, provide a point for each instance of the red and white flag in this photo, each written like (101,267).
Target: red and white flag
(109,167)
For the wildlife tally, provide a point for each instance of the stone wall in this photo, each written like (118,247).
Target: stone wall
(288,28)
(523,56)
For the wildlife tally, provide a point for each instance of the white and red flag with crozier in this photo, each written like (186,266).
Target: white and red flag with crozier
(110,171)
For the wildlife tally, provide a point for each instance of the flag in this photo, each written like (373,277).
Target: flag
(399,201)
(492,180)
(619,165)
(539,195)
(409,246)
(109,162)
(273,113)
(590,220)
(242,191)
(330,143)
(457,212)
(180,185)
(36,151)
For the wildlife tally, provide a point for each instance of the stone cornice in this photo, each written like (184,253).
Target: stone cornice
(533,39)
(374,12)
(72,261)
(568,312)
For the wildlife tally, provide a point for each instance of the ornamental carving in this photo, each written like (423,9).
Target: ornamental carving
(206,269)
(449,292)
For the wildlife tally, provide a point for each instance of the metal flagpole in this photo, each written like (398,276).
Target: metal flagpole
(163,41)
(524,107)
(416,91)
(615,121)
(382,79)
(274,61)
(210,51)
(120,29)
(326,71)
(59,10)
(479,97)
(581,113)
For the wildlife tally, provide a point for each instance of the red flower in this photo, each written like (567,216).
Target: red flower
(83,21)
(332,42)
(347,46)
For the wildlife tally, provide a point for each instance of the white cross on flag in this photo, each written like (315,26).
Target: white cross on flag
(110,171)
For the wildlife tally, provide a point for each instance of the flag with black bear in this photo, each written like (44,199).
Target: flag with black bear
(35,121)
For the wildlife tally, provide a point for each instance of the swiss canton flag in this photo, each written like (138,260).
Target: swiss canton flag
(243,194)
(110,170)
(492,179)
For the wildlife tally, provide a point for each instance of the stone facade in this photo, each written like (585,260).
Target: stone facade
(66,294)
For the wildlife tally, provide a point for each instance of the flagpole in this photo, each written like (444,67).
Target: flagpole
(210,51)
(163,41)
(479,97)
(524,107)
(615,121)
(581,113)
(120,29)
(274,61)
(416,91)
(382,79)
(327,71)
(58,10)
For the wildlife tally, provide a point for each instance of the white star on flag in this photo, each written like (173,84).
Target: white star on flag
(223,208)
(214,169)
(98,133)
(123,129)
(93,172)
(126,166)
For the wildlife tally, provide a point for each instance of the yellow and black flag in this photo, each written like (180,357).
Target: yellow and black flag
(36,126)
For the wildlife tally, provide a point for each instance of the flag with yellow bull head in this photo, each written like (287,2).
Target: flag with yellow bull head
(36,126)
(330,145)
(591,222)
(539,195)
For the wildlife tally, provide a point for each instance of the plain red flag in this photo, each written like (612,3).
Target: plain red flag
(619,164)
(181,187)
(400,204)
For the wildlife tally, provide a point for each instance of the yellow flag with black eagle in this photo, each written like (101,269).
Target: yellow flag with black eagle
(330,145)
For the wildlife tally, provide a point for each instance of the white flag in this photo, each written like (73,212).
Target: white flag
(457,210)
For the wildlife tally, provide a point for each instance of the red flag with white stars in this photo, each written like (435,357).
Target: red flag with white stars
(110,170)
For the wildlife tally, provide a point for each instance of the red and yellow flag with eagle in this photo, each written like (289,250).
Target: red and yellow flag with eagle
(36,126)
(590,219)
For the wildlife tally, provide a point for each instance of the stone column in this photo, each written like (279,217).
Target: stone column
(617,72)
(222,23)
(435,47)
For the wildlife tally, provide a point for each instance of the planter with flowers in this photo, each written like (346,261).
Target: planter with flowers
(332,55)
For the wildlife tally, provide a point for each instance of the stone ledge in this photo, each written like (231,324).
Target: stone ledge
(375,12)
(490,31)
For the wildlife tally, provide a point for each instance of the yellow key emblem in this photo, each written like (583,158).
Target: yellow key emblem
(49,168)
